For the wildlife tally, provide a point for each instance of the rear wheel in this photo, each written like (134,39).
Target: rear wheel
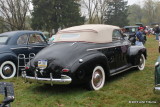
(98,78)
(7,70)
(141,62)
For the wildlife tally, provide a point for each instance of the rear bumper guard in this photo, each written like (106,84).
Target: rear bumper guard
(63,80)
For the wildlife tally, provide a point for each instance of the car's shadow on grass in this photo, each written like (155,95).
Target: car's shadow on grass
(57,89)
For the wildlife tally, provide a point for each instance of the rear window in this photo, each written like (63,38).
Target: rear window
(3,39)
(69,36)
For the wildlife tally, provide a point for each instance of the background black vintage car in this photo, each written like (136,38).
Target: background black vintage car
(130,32)
(14,43)
(85,54)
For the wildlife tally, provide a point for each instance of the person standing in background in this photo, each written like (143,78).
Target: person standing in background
(139,37)
(157,31)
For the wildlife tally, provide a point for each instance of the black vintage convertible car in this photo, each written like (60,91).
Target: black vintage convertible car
(18,42)
(85,54)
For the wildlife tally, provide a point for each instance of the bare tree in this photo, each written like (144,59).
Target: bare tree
(14,13)
(152,11)
(135,14)
(95,10)
(157,11)
(101,10)
(150,8)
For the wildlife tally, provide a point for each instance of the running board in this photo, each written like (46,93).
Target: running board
(122,70)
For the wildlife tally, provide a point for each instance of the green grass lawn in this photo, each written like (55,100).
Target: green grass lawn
(118,91)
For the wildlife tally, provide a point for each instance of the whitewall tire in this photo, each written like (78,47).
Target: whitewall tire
(7,70)
(98,78)
(142,62)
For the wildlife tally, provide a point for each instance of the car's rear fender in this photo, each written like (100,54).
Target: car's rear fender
(82,70)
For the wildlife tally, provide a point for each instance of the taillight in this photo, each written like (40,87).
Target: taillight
(65,70)
(26,67)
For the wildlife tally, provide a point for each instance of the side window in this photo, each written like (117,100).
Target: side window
(36,39)
(116,35)
(22,39)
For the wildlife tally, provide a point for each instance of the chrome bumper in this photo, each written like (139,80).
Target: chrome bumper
(157,89)
(63,80)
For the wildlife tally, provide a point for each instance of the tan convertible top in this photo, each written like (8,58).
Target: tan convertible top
(97,33)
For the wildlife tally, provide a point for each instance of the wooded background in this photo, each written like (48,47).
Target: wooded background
(58,14)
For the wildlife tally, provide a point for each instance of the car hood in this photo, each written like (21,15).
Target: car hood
(60,55)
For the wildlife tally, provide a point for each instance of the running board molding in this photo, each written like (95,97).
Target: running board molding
(122,71)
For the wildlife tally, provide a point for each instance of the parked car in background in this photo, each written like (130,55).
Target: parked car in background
(85,54)
(130,32)
(157,76)
(18,42)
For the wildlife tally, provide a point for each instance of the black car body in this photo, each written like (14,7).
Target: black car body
(85,54)
(18,42)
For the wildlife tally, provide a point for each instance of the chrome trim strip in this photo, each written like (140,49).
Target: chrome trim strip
(63,80)
(20,48)
(27,47)
(36,46)
(103,47)
(122,70)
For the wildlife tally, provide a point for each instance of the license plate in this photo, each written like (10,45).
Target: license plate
(42,63)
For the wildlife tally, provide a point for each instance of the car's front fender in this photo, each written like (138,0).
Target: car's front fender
(134,50)
(8,56)
(134,53)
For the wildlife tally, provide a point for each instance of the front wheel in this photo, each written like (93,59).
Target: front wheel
(7,70)
(141,62)
(98,78)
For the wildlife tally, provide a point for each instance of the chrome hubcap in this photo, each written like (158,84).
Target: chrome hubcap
(141,62)
(97,78)
(7,70)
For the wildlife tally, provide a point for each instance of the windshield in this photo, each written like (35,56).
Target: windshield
(3,39)
(133,29)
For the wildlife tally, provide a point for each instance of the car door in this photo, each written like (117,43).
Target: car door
(121,47)
(36,42)
(117,60)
